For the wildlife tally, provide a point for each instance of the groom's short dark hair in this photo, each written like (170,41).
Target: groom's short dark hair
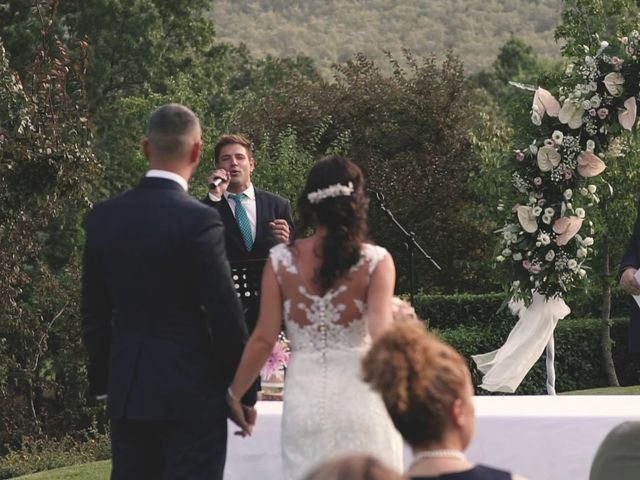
(168,128)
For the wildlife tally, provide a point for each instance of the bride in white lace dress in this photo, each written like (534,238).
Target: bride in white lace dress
(334,291)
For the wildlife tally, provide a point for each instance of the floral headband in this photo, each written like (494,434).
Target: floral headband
(337,190)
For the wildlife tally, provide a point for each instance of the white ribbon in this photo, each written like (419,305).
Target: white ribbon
(505,368)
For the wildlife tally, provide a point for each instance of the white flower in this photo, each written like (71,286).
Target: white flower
(533,148)
(604,44)
(499,258)
(568,193)
(550,256)
(527,219)
(506,252)
(580,212)
(544,239)
(548,158)
(581,253)
(543,102)
(572,264)
(549,211)
(582,273)
(587,242)
(557,137)
(571,114)
(546,219)
(614,82)
(590,145)
(517,257)
(586,104)
(591,188)
(537,211)
(584,192)
(595,100)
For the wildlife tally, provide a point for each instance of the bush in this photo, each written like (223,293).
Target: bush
(578,361)
(39,454)
(452,311)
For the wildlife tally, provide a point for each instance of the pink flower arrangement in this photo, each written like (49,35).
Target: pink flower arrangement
(279,358)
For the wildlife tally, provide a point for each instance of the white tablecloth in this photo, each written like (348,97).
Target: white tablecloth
(540,437)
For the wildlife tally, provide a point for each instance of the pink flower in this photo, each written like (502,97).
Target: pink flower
(542,202)
(519,156)
(590,165)
(535,268)
(602,113)
(627,115)
(549,143)
(279,358)
(566,228)
(537,181)
(592,112)
(624,40)
(617,62)
(568,174)
(526,264)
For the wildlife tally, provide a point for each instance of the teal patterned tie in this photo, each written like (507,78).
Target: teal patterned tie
(243,220)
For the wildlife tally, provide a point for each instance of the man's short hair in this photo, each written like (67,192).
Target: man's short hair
(231,139)
(169,129)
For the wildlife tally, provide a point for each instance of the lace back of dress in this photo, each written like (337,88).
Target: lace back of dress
(335,319)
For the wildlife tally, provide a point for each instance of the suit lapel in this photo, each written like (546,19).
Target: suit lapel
(261,225)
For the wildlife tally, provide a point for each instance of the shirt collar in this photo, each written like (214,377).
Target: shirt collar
(249,192)
(155,173)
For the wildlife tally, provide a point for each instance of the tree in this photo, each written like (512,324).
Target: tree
(46,168)
(409,131)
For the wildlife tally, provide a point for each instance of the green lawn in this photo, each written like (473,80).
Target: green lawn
(87,471)
(633,390)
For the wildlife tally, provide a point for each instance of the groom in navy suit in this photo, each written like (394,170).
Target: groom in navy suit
(254,219)
(161,320)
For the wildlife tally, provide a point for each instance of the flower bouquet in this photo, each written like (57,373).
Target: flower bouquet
(273,371)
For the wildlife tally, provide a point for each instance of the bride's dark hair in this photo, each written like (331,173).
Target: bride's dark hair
(344,217)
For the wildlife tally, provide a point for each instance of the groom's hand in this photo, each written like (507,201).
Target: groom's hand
(628,281)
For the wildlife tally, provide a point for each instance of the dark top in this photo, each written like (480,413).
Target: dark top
(479,472)
(631,258)
(161,321)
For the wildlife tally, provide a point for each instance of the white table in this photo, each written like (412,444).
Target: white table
(540,437)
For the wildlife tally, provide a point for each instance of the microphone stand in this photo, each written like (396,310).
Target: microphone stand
(410,240)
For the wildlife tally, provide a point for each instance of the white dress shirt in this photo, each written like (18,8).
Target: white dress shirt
(249,205)
(154,173)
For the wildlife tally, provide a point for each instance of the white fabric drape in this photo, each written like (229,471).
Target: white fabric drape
(505,368)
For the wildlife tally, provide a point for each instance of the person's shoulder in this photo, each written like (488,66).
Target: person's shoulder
(372,251)
(271,196)
(491,473)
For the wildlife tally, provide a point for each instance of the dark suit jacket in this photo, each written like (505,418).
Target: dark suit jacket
(161,320)
(631,258)
(268,208)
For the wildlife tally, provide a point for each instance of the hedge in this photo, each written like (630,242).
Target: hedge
(452,311)
(578,359)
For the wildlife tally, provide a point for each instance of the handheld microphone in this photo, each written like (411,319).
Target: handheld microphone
(216,183)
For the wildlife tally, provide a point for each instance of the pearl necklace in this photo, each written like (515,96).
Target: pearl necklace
(442,453)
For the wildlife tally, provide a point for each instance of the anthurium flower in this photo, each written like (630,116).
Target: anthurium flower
(548,158)
(614,82)
(589,165)
(543,102)
(627,115)
(527,219)
(571,114)
(566,228)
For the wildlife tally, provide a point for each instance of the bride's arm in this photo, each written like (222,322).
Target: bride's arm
(379,295)
(264,336)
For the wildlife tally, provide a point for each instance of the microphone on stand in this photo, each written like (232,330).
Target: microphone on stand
(375,194)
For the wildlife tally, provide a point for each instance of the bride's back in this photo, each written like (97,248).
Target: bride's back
(319,319)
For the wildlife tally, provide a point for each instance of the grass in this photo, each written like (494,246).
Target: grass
(87,471)
(633,390)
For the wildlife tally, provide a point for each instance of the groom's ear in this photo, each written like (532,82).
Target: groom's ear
(146,148)
(194,156)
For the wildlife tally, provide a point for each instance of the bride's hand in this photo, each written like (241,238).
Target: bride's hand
(240,415)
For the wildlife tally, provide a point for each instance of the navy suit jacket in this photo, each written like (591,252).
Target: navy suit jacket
(631,258)
(161,321)
(268,208)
